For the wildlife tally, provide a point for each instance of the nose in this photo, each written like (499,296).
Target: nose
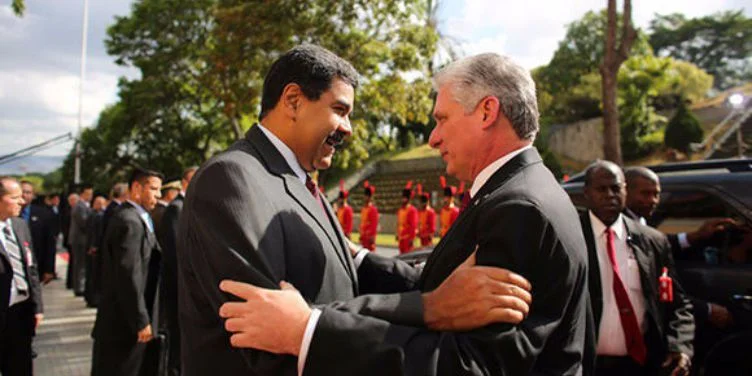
(434,139)
(346,126)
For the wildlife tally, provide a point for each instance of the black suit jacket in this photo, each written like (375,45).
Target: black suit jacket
(248,217)
(126,251)
(111,209)
(23,235)
(167,236)
(42,223)
(520,220)
(670,325)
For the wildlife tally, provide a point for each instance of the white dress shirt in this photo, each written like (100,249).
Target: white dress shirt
(611,333)
(489,170)
(15,298)
(292,161)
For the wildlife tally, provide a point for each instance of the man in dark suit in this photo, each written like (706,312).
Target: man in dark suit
(41,221)
(93,264)
(20,292)
(123,327)
(168,301)
(78,237)
(519,218)
(65,221)
(640,329)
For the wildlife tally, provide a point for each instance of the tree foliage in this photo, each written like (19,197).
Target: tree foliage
(202,66)
(683,129)
(720,44)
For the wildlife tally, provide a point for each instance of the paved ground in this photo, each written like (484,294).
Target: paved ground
(63,341)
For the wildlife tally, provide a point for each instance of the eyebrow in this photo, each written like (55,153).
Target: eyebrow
(340,102)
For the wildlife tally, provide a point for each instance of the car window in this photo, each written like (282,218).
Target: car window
(686,210)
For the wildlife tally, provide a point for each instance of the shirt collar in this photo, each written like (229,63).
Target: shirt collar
(599,228)
(286,152)
(487,172)
(139,208)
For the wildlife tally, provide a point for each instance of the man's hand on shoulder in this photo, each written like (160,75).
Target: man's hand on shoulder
(268,320)
(475,296)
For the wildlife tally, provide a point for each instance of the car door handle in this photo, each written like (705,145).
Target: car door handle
(741,298)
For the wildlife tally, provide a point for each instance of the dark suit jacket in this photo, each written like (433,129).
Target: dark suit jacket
(94,229)
(156,216)
(23,235)
(521,220)
(167,236)
(248,217)
(44,236)
(127,249)
(670,325)
(111,209)
(79,217)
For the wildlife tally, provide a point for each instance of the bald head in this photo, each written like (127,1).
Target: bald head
(605,191)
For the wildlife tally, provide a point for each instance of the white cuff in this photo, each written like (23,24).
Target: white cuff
(358,259)
(313,320)
(683,241)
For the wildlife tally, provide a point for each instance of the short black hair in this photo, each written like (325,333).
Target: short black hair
(308,65)
(84,187)
(600,165)
(141,175)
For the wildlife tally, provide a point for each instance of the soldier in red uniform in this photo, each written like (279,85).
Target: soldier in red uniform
(449,212)
(407,221)
(426,218)
(344,210)
(369,219)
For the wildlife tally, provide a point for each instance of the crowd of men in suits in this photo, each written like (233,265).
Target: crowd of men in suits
(248,255)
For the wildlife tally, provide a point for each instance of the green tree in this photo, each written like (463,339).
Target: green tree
(720,44)
(18,6)
(202,65)
(683,129)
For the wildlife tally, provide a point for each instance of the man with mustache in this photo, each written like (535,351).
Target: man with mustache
(253,214)
(518,218)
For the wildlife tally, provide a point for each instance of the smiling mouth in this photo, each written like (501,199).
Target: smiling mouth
(335,139)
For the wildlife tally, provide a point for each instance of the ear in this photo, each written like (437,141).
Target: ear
(291,99)
(489,108)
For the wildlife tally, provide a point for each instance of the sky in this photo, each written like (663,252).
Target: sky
(41,52)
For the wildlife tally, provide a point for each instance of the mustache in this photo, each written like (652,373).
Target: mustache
(335,138)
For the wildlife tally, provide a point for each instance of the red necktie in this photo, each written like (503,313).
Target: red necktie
(309,183)
(632,333)
(465,201)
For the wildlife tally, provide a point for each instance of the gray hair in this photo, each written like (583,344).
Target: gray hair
(474,78)
(119,190)
(632,173)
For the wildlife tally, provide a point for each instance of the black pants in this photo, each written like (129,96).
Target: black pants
(114,358)
(15,346)
(93,279)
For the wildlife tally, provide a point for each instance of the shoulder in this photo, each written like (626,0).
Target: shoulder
(648,234)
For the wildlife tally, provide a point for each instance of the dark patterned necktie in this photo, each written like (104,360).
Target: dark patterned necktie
(311,185)
(15,253)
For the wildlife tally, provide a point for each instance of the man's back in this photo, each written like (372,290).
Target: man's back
(523,221)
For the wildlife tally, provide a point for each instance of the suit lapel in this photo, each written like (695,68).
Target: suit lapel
(463,222)
(645,261)
(299,193)
(594,270)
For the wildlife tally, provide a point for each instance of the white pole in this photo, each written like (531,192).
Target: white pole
(77,171)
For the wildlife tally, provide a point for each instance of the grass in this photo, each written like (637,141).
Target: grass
(388,240)
(423,151)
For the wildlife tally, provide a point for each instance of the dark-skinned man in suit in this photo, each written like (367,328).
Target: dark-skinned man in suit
(20,292)
(123,325)
(518,218)
(640,330)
